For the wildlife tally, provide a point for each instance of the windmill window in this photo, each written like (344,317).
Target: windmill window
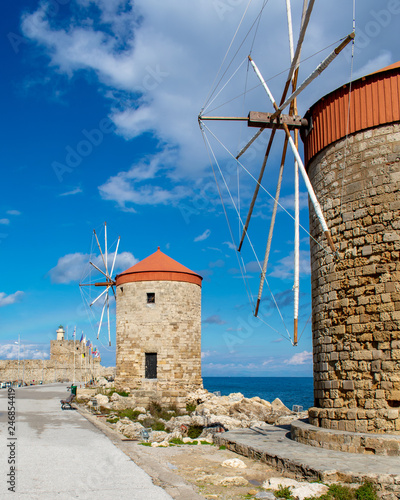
(150,365)
(151,298)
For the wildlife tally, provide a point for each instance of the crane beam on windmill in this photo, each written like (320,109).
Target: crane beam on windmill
(265,120)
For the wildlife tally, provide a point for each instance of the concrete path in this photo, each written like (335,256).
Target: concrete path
(61,455)
(273,445)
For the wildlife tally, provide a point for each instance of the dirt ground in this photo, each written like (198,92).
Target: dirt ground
(201,466)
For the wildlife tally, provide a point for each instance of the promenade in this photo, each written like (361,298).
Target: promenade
(61,455)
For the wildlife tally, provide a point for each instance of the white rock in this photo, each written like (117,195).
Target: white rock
(278,405)
(236,463)
(133,430)
(175,435)
(309,490)
(187,440)
(101,399)
(234,480)
(158,436)
(235,396)
(140,409)
(142,417)
(164,444)
(274,483)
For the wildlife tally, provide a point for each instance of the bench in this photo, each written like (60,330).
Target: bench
(66,403)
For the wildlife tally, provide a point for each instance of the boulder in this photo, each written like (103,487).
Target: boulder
(307,490)
(157,436)
(235,463)
(132,430)
(101,399)
(274,483)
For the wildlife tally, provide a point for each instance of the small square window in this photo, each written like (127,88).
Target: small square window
(151,298)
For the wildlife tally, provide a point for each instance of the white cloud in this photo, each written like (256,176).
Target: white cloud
(284,267)
(214,320)
(231,246)
(203,236)
(301,358)
(287,201)
(75,266)
(6,300)
(13,212)
(72,192)
(5,221)
(382,60)
(140,185)
(26,351)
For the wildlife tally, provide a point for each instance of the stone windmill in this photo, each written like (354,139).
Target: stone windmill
(158,328)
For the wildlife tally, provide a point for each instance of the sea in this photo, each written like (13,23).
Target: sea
(290,390)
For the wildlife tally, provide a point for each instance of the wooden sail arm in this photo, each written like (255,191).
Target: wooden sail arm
(266,120)
(310,189)
(100,283)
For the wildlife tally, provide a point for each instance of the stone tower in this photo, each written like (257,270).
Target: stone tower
(356,299)
(159,329)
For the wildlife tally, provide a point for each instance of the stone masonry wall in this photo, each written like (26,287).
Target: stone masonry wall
(60,366)
(356,299)
(171,327)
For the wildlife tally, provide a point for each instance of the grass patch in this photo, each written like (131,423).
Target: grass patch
(129,413)
(113,420)
(192,443)
(206,442)
(112,390)
(176,441)
(145,444)
(222,447)
(190,407)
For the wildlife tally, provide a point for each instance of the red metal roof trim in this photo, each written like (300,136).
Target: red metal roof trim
(158,267)
(374,100)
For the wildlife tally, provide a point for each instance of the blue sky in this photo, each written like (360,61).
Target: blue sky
(100,101)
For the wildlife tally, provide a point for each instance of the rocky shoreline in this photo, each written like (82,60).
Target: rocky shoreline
(206,415)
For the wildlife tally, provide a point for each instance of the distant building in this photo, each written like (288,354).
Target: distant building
(67,358)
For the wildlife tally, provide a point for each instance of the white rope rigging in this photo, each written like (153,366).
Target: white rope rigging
(261,186)
(212,90)
(249,239)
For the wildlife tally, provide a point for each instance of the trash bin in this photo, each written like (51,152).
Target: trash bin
(73,389)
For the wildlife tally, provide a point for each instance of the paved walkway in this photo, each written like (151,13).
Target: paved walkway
(61,455)
(273,445)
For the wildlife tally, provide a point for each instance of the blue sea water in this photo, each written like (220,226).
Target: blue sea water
(290,390)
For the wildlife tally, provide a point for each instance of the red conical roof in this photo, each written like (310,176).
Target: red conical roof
(158,267)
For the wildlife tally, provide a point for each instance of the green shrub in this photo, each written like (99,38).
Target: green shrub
(339,492)
(145,444)
(366,491)
(222,447)
(158,426)
(157,411)
(283,492)
(194,431)
(190,407)
(206,442)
